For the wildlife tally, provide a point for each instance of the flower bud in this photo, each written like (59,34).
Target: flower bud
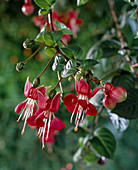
(102,160)
(36,82)
(118,93)
(27,9)
(52,93)
(78,77)
(28,43)
(70,78)
(20,66)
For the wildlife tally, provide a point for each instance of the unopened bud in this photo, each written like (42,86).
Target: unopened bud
(102,82)
(36,82)
(28,43)
(20,66)
(52,93)
(70,78)
(78,77)
(102,160)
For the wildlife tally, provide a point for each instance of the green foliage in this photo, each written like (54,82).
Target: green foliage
(58,64)
(88,64)
(104,142)
(63,28)
(45,4)
(69,69)
(81,2)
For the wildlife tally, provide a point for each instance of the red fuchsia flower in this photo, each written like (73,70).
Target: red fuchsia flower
(44,118)
(81,104)
(113,95)
(28,106)
(28,8)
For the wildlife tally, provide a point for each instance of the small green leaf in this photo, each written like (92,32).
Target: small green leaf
(63,28)
(88,64)
(58,64)
(49,39)
(50,51)
(69,69)
(67,52)
(77,51)
(57,35)
(104,142)
(45,4)
(81,2)
(43,11)
(90,157)
(40,37)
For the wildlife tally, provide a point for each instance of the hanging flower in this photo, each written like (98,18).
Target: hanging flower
(44,118)
(81,105)
(27,107)
(113,95)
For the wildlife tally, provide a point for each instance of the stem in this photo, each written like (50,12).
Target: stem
(97,118)
(57,83)
(33,54)
(120,34)
(47,65)
(50,20)
(43,44)
(60,82)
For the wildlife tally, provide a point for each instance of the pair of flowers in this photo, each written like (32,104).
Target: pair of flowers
(43,117)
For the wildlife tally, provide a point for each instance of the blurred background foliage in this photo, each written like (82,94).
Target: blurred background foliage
(19,152)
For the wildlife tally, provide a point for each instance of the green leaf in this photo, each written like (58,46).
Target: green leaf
(58,64)
(57,35)
(69,69)
(88,64)
(90,157)
(129,108)
(40,37)
(43,11)
(67,52)
(81,2)
(77,51)
(124,79)
(50,51)
(104,142)
(63,28)
(45,4)
(49,39)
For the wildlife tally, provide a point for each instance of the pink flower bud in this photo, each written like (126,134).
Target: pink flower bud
(27,9)
(118,93)
(108,87)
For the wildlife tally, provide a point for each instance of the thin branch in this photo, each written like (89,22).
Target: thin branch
(120,34)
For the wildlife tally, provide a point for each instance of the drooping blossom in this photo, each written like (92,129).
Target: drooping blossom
(81,105)
(44,117)
(27,107)
(113,95)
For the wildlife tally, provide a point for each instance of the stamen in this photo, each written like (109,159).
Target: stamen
(48,126)
(82,116)
(43,137)
(73,113)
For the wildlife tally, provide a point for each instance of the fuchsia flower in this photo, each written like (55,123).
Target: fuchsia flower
(44,117)
(28,106)
(81,104)
(113,95)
